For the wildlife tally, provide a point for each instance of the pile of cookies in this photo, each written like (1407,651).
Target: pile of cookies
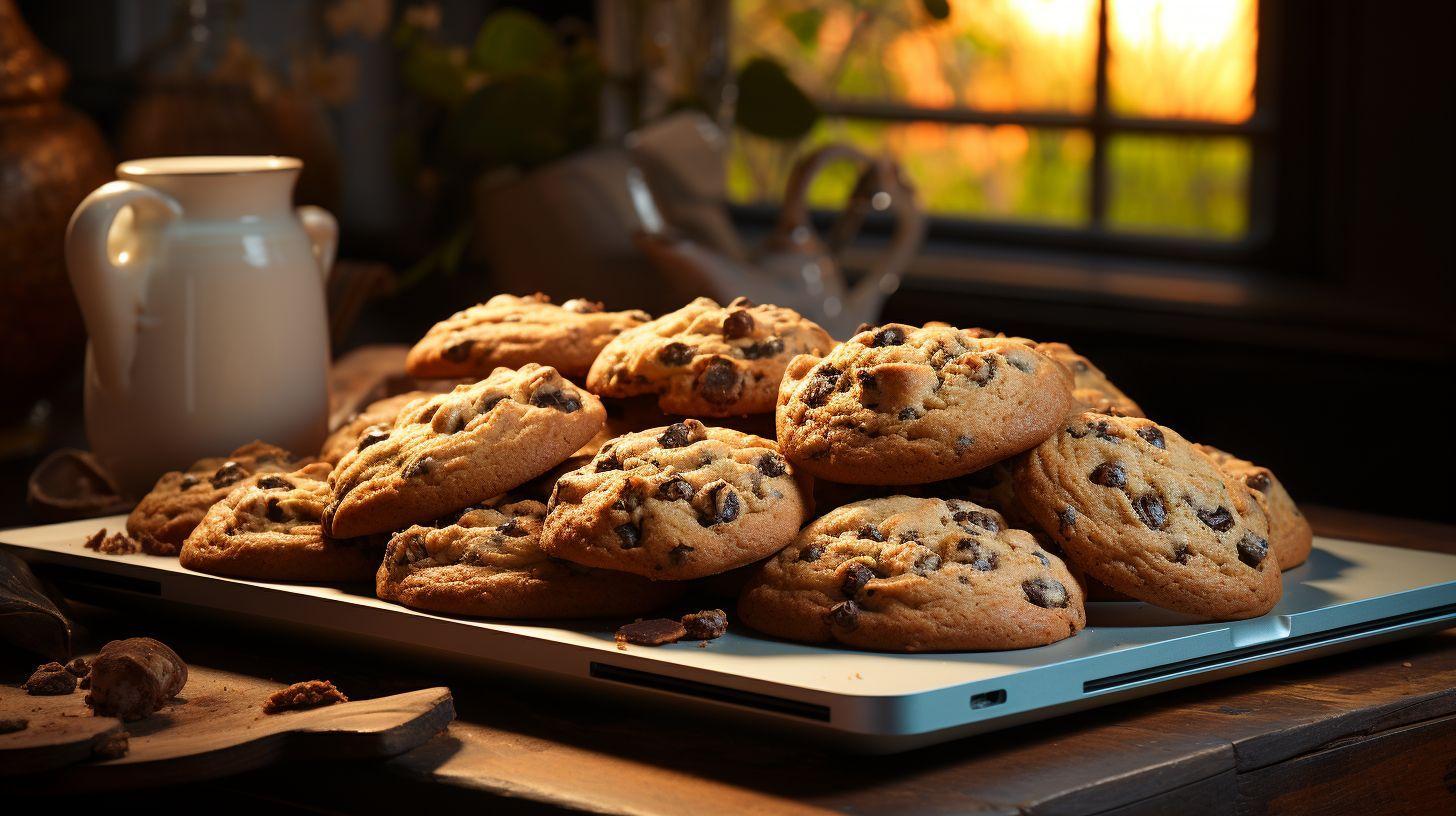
(909,489)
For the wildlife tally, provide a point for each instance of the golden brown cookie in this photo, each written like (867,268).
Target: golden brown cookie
(164,517)
(903,574)
(488,562)
(708,360)
(380,412)
(268,529)
(900,405)
(458,449)
(674,503)
(1137,507)
(1091,388)
(511,331)
(1290,535)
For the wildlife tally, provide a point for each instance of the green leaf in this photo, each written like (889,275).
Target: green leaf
(804,25)
(770,104)
(512,41)
(937,9)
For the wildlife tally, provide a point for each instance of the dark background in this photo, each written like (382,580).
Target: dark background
(1327,354)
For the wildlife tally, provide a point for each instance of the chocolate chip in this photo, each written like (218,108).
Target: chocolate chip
(907,414)
(488,403)
(719,382)
(721,504)
(738,323)
(822,386)
(230,473)
(771,464)
(813,552)
(677,554)
(274,483)
(419,467)
(1253,550)
(856,575)
(1149,508)
(459,351)
(1022,364)
(1259,481)
(429,413)
(652,632)
(984,372)
(557,399)
(676,354)
(963,443)
(1109,474)
(769,347)
(1153,435)
(630,498)
(926,563)
(1045,593)
(675,490)
(676,435)
(630,536)
(1067,520)
(844,615)
(981,560)
(870,532)
(1042,557)
(1181,553)
(1106,431)
(1079,366)
(977,518)
(10,725)
(608,462)
(1219,519)
(512,529)
(371,437)
(273,511)
(888,336)
(188,482)
(705,625)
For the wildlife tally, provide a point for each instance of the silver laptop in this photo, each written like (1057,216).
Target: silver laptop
(1348,595)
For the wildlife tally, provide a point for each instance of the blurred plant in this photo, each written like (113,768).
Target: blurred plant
(520,96)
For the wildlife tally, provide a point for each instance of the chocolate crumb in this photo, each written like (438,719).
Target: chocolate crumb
(305,695)
(114,544)
(79,667)
(10,725)
(49,680)
(708,624)
(651,632)
(111,746)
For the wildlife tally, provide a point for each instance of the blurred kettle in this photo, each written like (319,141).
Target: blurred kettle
(687,233)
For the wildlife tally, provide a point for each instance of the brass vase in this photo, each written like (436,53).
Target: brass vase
(51,156)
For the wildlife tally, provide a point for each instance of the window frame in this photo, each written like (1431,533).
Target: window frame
(1102,125)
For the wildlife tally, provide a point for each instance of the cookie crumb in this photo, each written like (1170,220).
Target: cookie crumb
(651,632)
(708,624)
(1406,664)
(10,725)
(111,746)
(50,679)
(114,544)
(79,667)
(305,695)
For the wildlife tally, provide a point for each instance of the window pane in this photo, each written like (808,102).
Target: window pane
(992,54)
(1182,58)
(1179,185)
(1007,172)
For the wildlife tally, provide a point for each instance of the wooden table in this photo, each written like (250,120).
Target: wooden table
(1371,731)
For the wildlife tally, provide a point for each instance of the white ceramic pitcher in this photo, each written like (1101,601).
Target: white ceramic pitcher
(202,288)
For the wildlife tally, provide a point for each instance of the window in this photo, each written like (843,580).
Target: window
(1107,122)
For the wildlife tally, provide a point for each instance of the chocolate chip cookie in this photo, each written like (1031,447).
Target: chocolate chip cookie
(1091,388)
(1290,535)
(511,331)
(674,503)
(903,574)
(381,412)
(708,360)
(488,562)
(268,529)
(454,450)
(164,517)
(1136,506)
(903,405)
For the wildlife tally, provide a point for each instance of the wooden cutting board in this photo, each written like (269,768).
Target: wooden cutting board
(215,728)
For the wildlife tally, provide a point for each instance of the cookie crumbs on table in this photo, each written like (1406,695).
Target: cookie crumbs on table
(114,544)
(651,632)
(303,696)
(49,680)
(709,624)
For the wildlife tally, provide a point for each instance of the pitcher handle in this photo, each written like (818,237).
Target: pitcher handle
(323,233)
(109,290)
